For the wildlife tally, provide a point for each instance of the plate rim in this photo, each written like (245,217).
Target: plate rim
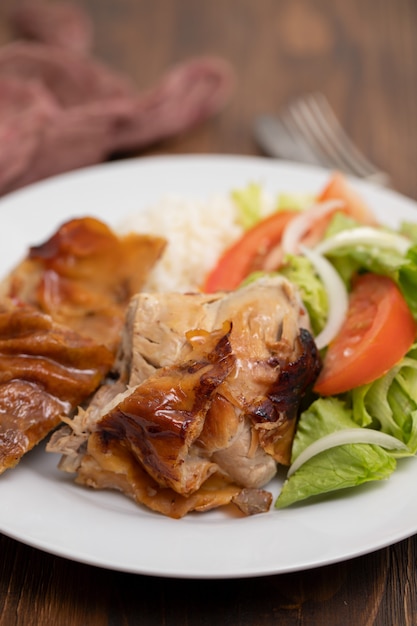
(53,185)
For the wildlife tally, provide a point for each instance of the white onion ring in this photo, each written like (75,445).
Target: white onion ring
(299,226)
(366,236)
(336,294)
(343,437)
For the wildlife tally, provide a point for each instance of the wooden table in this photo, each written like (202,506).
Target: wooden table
(363,55)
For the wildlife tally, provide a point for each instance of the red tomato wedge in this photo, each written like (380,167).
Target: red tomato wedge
(248,253)
(378,331)
(251,251)
(338,188)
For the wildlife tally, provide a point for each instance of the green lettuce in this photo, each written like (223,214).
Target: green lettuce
(389,405)
(407,279)
(249,204)
(340,221)
(337,468)
(402,269)
(409,229)
(299,271)
(294,201)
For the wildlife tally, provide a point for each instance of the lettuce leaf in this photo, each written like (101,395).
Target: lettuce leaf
(407,279)
(409,229)
(338,468)
(300,271)
(294,201)
(402,269)
(252,206)
(249,203)
(390,403)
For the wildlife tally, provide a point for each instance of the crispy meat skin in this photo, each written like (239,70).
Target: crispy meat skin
(84,276)
(163,417)
(46,370)
(60,325)
(102,444)
(169,436)
(275,360)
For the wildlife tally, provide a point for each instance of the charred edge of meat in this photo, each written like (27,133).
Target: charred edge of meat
(294,380)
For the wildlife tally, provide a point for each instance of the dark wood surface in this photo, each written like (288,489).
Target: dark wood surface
(363,55)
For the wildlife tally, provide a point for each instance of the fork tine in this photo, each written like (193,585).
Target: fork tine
(278,141)
(308,131)
(330,125)
(301,140)
(312,121)
(304,115)
(315,117)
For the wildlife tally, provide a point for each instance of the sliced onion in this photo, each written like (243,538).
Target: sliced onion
(344,437)
(300,225)
(366,236)
(336,294)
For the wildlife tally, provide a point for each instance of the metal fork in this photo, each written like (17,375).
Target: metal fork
(308,131)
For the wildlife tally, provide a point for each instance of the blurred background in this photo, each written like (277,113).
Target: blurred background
(362,54)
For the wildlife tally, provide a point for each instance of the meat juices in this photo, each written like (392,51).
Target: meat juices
(206,403)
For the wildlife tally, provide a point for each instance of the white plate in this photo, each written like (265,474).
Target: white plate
(40,506)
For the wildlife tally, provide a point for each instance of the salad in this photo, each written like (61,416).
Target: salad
(358,282)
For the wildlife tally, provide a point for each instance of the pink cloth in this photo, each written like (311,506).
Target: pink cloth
(61,109)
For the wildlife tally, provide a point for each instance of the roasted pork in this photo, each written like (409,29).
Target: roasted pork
(84,276)
(206,403)
(46,370)
(61,314)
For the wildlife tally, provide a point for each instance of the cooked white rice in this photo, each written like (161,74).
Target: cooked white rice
(197,232)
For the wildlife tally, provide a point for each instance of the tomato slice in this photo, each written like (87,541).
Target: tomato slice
(338,188)
(378,331)
(248,253)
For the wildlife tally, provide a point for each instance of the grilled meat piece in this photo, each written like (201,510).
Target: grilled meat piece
(157,423)
(60,326)
(84,276)
(253,501)
(274,416)
(213,384)
(160,420)
(46,370)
